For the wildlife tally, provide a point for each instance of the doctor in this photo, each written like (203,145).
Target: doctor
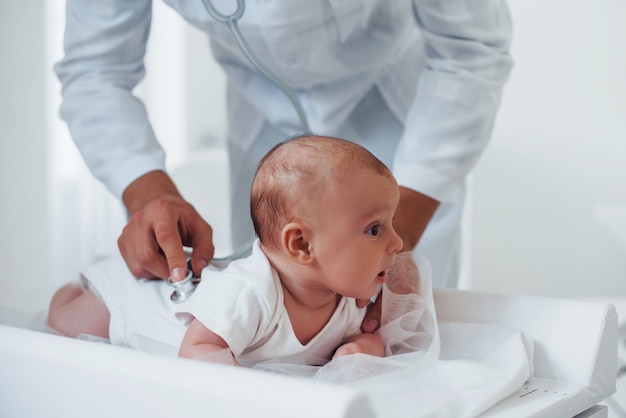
(416,82)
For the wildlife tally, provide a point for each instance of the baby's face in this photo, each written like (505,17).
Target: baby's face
(355,242)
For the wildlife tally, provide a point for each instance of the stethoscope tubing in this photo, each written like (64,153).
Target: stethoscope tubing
(222,18)
(231,22)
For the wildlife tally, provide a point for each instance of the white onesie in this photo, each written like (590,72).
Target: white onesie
(243,304)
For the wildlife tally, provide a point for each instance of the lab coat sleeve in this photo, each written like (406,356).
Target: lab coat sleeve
(451,120)
(105,43)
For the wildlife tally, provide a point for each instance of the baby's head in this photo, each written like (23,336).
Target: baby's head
(323,211)
(293,176)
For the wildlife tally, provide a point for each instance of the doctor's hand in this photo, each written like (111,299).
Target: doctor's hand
(161,223)
(414,212)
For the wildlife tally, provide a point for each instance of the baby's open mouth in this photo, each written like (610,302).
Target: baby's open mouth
(382,277)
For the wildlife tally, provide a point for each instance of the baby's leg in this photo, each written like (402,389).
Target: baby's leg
(74,311)
(364,343)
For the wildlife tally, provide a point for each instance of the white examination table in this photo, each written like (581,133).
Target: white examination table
(42,375)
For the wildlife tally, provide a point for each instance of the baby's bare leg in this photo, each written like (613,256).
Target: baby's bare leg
(74,311)
(364,343)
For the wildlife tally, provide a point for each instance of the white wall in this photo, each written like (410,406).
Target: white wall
(550,190)
(24,232)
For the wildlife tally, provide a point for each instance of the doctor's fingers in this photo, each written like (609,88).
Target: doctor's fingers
(151,236)
(141,252)
(184,227)
(168,238)
(200,238)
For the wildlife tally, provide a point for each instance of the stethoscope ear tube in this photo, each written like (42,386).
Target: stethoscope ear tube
(231,22)
(222,18)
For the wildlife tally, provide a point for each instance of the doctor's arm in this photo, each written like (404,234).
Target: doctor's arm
(450,122)
(458,95)
(104,45)
(161,222)
(415,210)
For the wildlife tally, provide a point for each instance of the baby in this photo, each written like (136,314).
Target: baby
(322,210)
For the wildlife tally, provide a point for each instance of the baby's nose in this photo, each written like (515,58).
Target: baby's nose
(396,243)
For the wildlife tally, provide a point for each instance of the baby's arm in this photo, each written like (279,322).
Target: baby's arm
(364,343)
(201,343)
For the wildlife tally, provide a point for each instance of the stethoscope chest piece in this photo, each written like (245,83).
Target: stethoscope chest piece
(184,288)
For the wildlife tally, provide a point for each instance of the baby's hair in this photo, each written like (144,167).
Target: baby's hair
(292,175)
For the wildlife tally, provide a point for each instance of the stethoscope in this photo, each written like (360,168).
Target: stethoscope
(184,288)
(231,22)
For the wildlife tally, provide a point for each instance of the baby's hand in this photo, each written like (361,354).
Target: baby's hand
(362,343)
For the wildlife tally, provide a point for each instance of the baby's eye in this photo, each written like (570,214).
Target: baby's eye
(374,230)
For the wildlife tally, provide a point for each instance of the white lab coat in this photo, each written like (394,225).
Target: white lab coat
(416,82)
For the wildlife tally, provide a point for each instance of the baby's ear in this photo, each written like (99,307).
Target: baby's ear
(295,243)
